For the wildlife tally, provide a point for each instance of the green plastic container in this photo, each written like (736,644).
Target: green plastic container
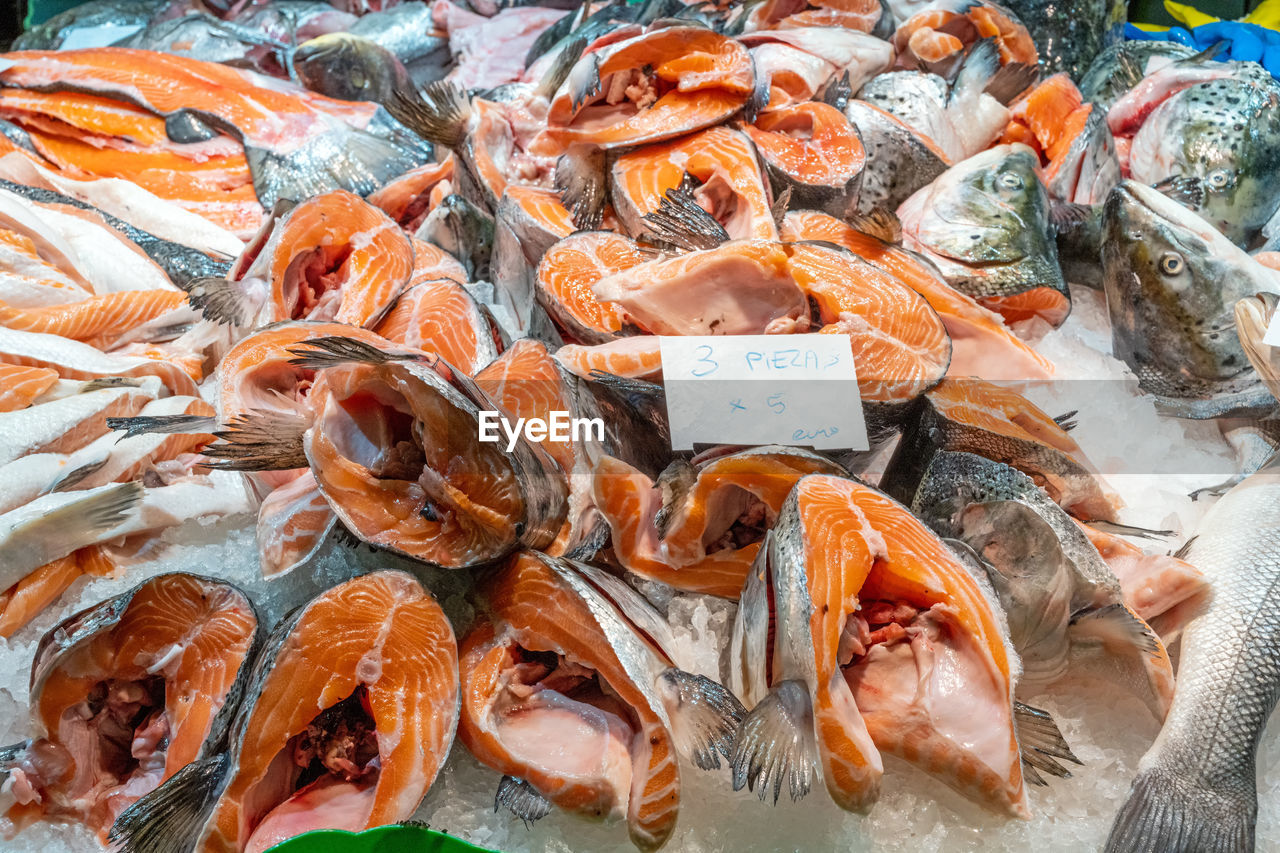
(383,839)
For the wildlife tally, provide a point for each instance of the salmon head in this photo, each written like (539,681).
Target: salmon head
(860,631)
(349,67)
(1065,606)
(395,446)
(571,692)
(348,714)
(985,224)
(126,694)
(1172,282)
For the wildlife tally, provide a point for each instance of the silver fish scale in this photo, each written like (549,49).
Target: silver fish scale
(1229,674)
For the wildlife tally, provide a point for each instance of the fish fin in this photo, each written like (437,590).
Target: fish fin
(977,70)
(681,221)
(1067,420)
(1185,548)
(176,810)
(332,350)
(1130,530)
(675,481)
(837,92)
(220,301)
(759,97)
(880,223)
(559,70)
(1114,643)
(1129,72)
(580,178)
(1169,810)
(1186,191)
(1067,215)
(163,425)
(1219,489)
(108,508)
(259,440)
(109,382)
(440,112)
(778,210)
(1011,81)
(583,80)
(10,754)
(1209,53)
(704,716)
(1041,744)
(776,742)
(73,478)
(521,799)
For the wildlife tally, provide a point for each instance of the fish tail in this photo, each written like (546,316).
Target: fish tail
(259,440)
(521,799)
(1041,744)
(163,425)
(220,301)
(332,350)
(439,113)
(704,716)
(1168,811)
(682,222)
(776,743)
(170,818)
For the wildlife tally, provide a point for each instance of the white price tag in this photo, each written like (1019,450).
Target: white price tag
(103,35)
(1272,337)
(763,389)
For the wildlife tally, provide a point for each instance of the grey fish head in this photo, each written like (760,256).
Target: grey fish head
(349,67)
(954,479)
(1172,282)
(1226,133)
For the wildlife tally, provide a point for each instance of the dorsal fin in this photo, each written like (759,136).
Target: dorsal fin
(879,223)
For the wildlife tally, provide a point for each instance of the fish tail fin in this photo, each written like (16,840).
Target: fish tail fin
(880,223)
(682,222)
(580,178)
(1007,84)
(776,743)
(1166,811)
(1041,744)
(560,68)
(332,350)
(169,819)
(704,716)
(439,113)
(163,425)
(521,799)
(259,440)
(221,301)
(76,476)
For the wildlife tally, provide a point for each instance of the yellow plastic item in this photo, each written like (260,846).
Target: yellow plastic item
(1150,28)
(1190,16)
(1266,15)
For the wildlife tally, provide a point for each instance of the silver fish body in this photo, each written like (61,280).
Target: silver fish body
(1196,788)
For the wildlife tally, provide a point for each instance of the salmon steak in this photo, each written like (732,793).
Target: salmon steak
(346,719)
(567,695)
(126,694)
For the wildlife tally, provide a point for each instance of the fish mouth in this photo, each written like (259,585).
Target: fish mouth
(323,777)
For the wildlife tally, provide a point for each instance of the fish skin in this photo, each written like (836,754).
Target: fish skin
(180,263)
(1225,132)
(899,160)
(1119,67)
(1070,37)
(985,224)
(205,37)
(1050,579)
(1195,368)
(50,34)
(61,426)
(464,230)
(128,622)
(1197,786)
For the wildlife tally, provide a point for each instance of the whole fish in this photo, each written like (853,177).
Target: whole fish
(126,694)
(985,224)
(569,696)
(1172,282)
(1196,787)
(1065,607)
(347,716)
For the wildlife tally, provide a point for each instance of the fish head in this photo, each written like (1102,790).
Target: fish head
(1225,133)
(1172,281)
(348,67)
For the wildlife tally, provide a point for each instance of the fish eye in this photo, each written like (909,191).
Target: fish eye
(1218,179)
(1011,181)
(1171,263)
